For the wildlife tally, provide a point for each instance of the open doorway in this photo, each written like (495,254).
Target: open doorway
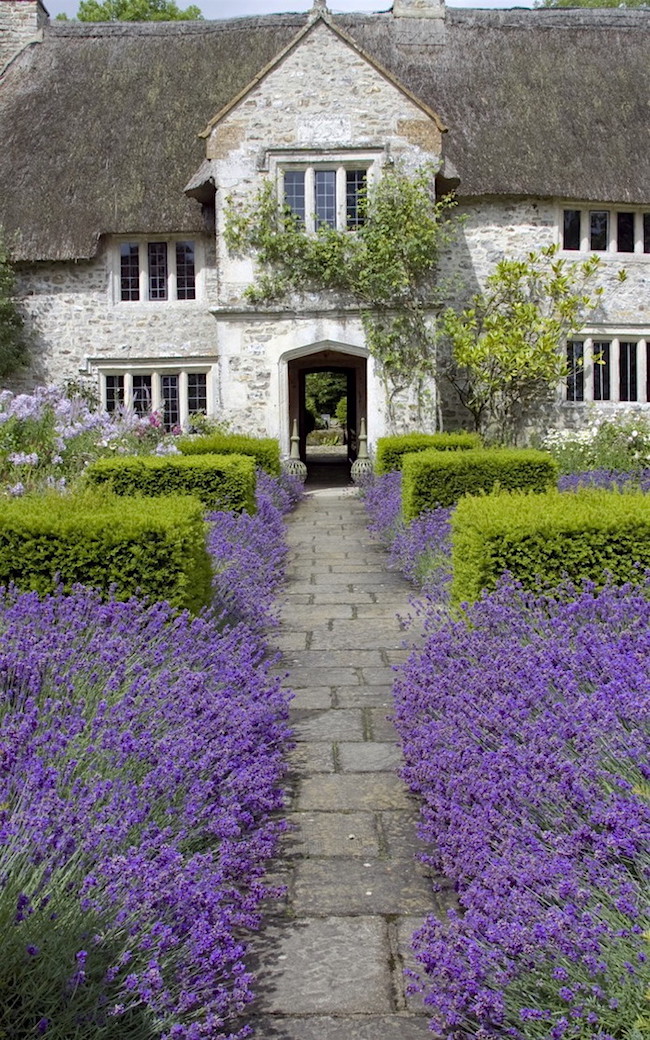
(327,396)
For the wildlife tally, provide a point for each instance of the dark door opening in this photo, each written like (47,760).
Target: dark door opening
(327,396)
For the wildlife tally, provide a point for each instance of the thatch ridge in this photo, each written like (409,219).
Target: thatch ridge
(99,123)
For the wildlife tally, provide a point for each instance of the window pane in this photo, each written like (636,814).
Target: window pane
(325,197)
(185,271)
(294,192)
(197,393)
(575,384)
(571,239)
(355,198)
(157,270)
(599,229)
(646,232)
(129,271)
(627,385)
(142,394)
(601,371)
(625,232)
(170,410)
(114,393)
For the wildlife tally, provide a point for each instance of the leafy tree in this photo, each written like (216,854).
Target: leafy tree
(388,266)
(135,11)
(13,341)
(324,390)
(506,347)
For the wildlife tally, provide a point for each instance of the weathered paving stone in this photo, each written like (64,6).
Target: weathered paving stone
(314,697)
(382,727)
(363,697)
(369,757)
(399,832)
(338,724)
(312,757)
(344,792)
(382,676)
(335,834)
(335,659)
(313,676)
(357,635)
(331,886)
(321,1027)
(406,926)
(332,965)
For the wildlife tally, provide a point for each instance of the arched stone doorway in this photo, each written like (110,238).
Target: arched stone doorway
(330,359)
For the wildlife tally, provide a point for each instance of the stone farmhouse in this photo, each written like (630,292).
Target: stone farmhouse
(120,143)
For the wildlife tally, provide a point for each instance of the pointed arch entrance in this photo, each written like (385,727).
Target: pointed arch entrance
(349,362)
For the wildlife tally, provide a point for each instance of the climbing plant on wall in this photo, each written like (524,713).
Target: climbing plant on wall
(387,267)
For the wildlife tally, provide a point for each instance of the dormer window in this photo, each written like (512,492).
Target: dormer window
(326,195)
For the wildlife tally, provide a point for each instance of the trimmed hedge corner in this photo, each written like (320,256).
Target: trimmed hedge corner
(153,547)
(391,449)
(440,478)
(220,481)
(265,450)
(545,539)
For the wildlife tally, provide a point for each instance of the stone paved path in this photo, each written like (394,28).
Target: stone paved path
(333,953)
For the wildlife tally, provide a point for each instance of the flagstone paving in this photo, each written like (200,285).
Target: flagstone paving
(331,960)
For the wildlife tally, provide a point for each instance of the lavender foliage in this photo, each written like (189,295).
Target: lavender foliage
(141,755)
(421,550)
(525,731)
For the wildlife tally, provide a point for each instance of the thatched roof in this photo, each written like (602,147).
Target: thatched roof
(99,123)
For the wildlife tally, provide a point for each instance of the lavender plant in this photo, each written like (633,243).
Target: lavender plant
(48,437)
(141,754)
(526,736)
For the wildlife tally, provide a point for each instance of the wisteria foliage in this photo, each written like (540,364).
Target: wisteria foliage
(141,757)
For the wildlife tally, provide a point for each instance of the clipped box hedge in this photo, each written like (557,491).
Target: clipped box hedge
(150,546)
(544,539)
(265,450)
(391,449)
(440,478)
(220,481)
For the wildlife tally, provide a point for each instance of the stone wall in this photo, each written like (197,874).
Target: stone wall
(493,229)
(21,23)
(72,316)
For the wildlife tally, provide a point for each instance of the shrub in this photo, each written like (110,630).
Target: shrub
(391,449)
(525,736)
(220,481)
(544,539)
(265,450)
(155,547)
(48,437)
(436,478)
(620,442)
(142,759)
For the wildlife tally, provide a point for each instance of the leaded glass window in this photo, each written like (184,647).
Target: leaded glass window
(185,271)
(325,198)
(197,393)
(170,401)
(158,273)
(114,393)
(129,271)
(602,370)
(142,396)
(575,384)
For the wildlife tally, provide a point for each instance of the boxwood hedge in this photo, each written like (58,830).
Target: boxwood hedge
(265,450)
(440,478)
(220,481)
(390,450)
(544,539)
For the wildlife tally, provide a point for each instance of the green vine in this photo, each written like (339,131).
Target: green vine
(387,267)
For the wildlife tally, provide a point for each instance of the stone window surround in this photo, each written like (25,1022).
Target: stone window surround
(143,240)
(612,249)
(614,337)
(279,160)
(157,367)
